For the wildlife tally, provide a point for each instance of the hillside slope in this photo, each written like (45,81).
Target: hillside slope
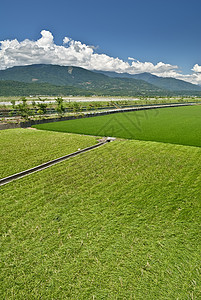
(17,88)
(74,76)
(64,80)
(168,83)
(53,74)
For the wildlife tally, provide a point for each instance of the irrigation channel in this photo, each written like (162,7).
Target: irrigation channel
(48,164)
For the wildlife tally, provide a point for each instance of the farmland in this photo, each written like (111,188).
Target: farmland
(118,222)
(179,125)
(22,149)
(121,221)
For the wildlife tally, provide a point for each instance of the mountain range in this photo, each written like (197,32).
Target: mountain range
(167,83)
(54,79)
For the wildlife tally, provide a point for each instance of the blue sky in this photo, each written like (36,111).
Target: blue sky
(147,30)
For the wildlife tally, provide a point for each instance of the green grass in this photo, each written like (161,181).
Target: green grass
(178,125)
(21,149)
(119,222)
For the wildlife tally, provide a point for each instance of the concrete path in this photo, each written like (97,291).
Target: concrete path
(51,163)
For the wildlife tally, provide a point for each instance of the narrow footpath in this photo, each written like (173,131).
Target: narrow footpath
(48,164)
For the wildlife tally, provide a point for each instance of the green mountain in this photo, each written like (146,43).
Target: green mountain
(79,78)
(74,76)
(53,74)
(16,88)
(170,84)
(60,80)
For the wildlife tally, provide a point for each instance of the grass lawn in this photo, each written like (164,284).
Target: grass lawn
(119,222)
(177,125)
(21,149)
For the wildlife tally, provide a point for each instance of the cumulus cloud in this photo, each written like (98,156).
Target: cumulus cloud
(66,40)
(75,53)
(197,68)
(159,68)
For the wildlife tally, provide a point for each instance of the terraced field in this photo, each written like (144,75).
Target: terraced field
(178,125)
(119,222)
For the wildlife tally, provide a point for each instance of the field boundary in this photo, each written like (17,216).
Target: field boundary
(50,163)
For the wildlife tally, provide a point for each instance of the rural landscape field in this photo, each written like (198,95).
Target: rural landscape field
(122,220)
(178,125)
(100,150)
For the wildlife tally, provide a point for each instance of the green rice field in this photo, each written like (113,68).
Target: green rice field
(118,222)
(122,221)
(177,125)
(21,149)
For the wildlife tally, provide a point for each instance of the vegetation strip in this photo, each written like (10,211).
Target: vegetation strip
(100,113)
(49,163)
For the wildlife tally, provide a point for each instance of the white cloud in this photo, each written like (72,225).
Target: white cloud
(75,53)
(66,40)
(159,68)
(197,68)
(46,41)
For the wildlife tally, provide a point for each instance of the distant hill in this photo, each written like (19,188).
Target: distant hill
(53,74)
(45,79)
(16,88)
(80,78)
(168,83)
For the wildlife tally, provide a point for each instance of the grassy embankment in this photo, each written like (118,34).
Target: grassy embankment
(118,222)
(21,149)
(178,125)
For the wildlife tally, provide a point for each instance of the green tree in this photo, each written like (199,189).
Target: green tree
(60,106)
(13,103)
(13,108)
(42,108)
(23,109)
